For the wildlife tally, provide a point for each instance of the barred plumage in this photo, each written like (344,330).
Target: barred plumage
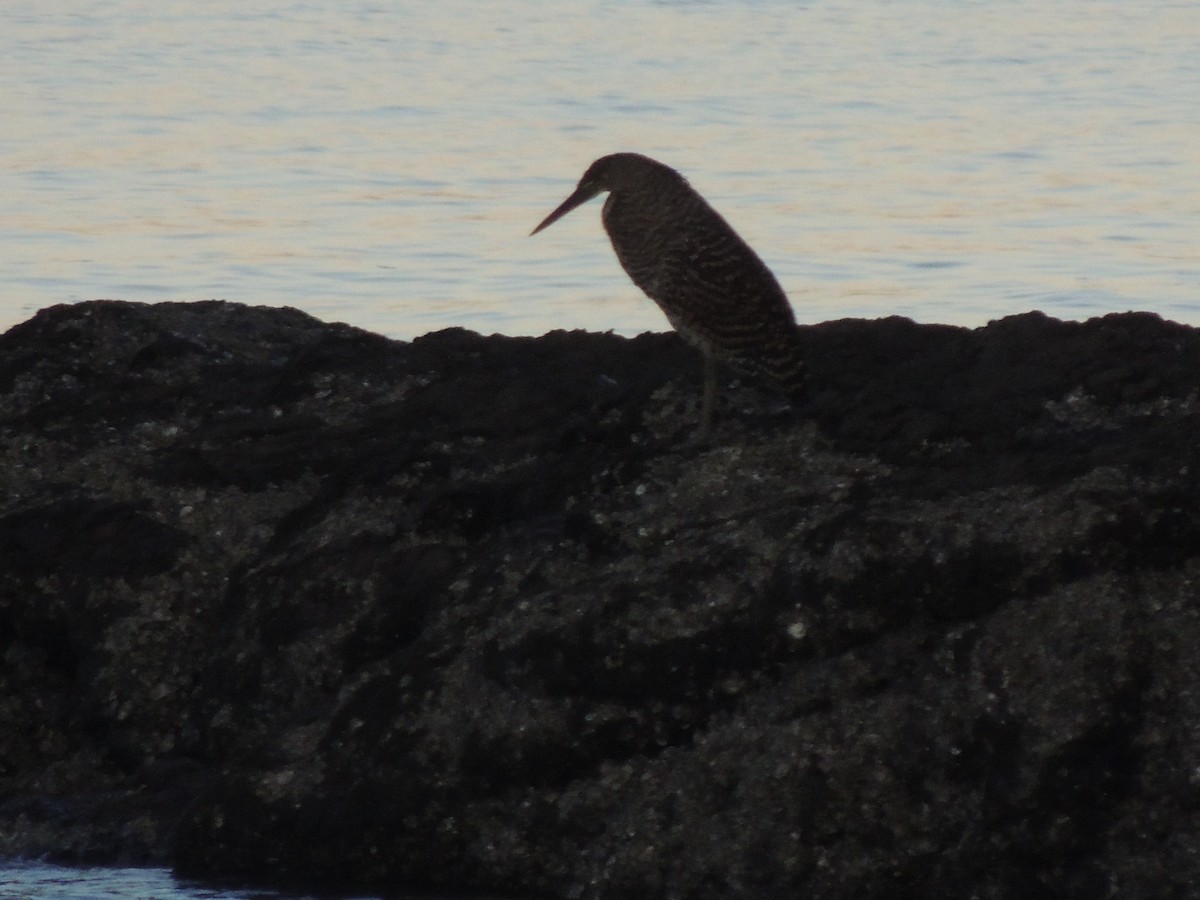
(713,288)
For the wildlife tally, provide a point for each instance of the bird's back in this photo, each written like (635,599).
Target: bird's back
(712,286)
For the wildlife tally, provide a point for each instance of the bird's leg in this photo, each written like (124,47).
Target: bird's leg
(710,393)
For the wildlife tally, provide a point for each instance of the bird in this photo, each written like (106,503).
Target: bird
(713,288)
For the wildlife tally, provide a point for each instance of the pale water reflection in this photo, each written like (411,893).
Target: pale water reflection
(20,880)
(382,164)
(42,881)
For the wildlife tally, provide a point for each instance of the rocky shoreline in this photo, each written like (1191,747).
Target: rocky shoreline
(288,602)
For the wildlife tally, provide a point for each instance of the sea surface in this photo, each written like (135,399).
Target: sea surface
(42,881)
(382,163)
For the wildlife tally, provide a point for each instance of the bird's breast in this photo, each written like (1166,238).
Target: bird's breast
(646,238)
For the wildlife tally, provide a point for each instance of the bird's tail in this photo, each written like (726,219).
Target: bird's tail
(783,363)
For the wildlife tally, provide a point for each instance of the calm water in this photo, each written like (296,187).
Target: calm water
(383,163)
(40,881)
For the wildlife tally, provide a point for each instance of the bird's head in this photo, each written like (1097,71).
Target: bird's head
(609,173)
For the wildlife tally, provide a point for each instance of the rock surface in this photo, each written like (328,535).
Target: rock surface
(288,602)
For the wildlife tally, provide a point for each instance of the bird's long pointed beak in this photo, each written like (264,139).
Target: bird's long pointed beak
(582,195)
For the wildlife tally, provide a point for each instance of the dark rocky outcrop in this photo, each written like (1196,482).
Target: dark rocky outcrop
(289,602)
